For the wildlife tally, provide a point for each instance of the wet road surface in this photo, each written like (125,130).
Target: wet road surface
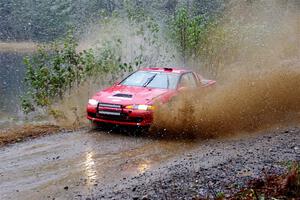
(69,164)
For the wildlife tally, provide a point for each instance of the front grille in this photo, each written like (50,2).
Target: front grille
(108,105)
(109,109)
(115,112)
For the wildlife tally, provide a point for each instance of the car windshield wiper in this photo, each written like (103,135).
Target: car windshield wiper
(149,80)
(168,82)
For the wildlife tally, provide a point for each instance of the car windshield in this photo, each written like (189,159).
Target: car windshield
(150,79)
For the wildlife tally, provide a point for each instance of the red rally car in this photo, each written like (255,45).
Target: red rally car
(130,102)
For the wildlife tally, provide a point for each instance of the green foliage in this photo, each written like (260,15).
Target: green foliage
(190,34)
(58,67)
(201,40)
(179,31)
(37,20)
(48,20)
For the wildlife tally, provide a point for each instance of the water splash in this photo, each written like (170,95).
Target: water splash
(258,81)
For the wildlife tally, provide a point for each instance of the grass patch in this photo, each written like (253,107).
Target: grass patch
(21,133)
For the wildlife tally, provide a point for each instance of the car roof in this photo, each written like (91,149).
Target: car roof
(166,69)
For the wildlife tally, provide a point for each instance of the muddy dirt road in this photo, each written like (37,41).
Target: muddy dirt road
(65,165)
(100,165)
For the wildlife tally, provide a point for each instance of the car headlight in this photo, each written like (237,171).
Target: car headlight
(93,102)
(140,107)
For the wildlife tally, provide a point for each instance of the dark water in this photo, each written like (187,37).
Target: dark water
(12,72)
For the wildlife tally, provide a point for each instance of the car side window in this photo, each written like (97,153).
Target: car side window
(188,80)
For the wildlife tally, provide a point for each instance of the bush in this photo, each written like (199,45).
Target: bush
(197,38)
(58,67)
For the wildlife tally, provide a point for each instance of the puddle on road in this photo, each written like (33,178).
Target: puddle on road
(90,167)
(45,166)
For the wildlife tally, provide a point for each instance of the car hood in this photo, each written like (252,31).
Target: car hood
(127,95)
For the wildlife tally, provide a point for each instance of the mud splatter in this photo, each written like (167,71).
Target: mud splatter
(258,81)
(70,112)
(248,102)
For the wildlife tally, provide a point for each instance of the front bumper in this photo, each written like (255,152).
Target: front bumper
(127,117)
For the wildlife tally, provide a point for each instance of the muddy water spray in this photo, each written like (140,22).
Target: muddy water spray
(261,89)
(247,102)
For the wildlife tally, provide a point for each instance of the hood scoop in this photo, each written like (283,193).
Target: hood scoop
(123,95)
